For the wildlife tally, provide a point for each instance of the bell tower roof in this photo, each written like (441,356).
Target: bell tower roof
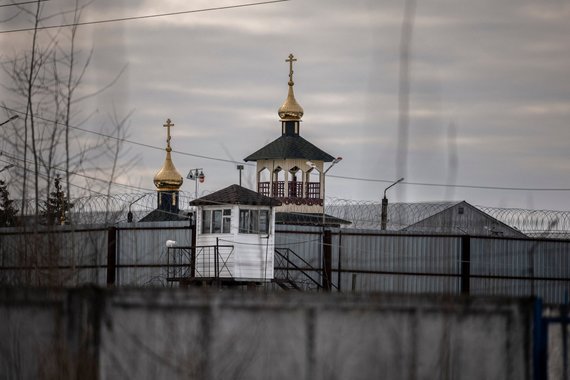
(290,145)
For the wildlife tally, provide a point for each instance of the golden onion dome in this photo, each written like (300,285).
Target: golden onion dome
(290,110)
(168,177)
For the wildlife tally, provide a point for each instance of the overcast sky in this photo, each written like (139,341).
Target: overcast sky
(489,91)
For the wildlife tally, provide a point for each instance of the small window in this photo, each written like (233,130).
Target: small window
(216,221)
(460,210)
(243,221)
(253,221)
(227,221)
(264,221)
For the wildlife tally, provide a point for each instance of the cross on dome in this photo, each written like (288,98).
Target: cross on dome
(291,60)
(168,178)
(168,125)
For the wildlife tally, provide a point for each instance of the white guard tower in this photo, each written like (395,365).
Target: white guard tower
(235,235)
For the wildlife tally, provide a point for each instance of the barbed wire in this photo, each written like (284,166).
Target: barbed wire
(96,209)
(368,215)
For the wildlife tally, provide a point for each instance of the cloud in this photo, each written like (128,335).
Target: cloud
(495,69)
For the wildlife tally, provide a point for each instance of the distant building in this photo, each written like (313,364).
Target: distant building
(427,217)
(463,218)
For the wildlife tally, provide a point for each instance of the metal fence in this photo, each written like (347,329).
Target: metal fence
(367,261)
(125,254)
(135,254)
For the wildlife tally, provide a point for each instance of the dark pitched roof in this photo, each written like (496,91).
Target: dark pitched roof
(158,215)
(290,147)
(478,223)
(235,194)
(308,219)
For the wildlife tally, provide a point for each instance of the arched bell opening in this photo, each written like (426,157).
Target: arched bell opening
(264,182)
(296,183)
(313,180)
(278,190)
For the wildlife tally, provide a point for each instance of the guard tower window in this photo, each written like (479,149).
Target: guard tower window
(253,221)
(216,221)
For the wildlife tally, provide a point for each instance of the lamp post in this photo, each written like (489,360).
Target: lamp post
(325,252)
(130,214)
(384,215)
(10,119)
(196,175)
(311,164)
(240,168)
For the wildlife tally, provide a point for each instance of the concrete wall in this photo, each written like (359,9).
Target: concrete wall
(175,334)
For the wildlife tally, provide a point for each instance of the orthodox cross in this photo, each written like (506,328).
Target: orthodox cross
(167,126)
(291,60)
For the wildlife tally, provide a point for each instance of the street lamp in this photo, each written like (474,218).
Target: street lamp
(10,119)
(196,175)
(240,168)
(130,214)
(384,215)
(334,162)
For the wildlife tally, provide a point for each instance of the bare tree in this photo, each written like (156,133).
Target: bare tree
(8,212)
(45,87)
(44,84)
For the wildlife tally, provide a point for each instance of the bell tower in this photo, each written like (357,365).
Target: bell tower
(291,168)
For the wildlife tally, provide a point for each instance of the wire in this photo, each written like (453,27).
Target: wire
(450,185)
(130,141)
(142,17)
(328,176)
(23,3)
(75,173)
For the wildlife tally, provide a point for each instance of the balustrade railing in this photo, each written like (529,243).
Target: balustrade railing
(308,190)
